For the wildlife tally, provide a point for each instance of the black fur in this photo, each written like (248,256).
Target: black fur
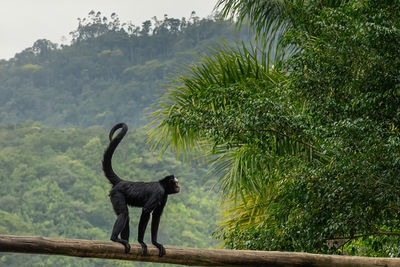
(151,196)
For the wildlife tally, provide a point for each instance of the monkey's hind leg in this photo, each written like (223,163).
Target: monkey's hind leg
(125,231)
(121,225)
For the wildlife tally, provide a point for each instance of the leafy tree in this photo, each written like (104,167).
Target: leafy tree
(307,149)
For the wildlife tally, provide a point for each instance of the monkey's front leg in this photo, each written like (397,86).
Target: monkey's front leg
(144,219)
(155,222)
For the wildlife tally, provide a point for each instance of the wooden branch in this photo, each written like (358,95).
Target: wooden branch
(181,255)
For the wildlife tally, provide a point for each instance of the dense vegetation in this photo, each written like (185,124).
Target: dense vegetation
(52,185)
(51,179)
(302,127)
(110,72)
(307,149)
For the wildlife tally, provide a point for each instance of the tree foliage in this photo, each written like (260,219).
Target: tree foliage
(307,149)
(110,72)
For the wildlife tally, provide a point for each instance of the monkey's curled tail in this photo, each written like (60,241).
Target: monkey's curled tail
(108,153)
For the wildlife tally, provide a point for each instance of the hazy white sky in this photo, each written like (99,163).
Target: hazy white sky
(22,22)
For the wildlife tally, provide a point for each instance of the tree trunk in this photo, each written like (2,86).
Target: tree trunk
(181,255)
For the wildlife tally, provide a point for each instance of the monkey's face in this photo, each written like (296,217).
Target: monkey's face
(173,186)
(170,183)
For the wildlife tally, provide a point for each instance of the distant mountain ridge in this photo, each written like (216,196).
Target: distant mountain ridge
(110,72)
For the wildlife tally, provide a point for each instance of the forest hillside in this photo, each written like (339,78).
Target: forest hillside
(57,105)
(110,72)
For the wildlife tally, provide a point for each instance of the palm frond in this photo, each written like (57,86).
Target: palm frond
(267,20)
(227,65)
(183,118)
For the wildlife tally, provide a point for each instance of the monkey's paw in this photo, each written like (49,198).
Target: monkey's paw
(127,248)
(144,248)
(160,248)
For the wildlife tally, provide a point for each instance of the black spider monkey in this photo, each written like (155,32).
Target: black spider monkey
(152,196)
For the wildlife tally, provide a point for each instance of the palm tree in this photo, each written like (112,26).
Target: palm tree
(232,109)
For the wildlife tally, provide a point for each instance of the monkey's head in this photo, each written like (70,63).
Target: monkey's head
(170,184)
